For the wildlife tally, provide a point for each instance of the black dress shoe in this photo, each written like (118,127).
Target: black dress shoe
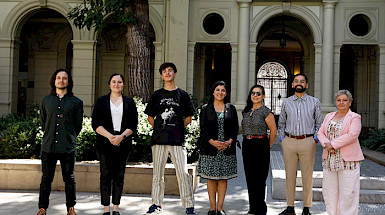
(106,213)
(115,213)
(288,211)
(222,212)
(306,211)
(212,213)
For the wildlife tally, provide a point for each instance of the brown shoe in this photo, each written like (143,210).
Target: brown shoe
(42,212)
(71,211)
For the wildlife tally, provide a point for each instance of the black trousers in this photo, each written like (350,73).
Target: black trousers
(48,166)
(112,169)
(256,162)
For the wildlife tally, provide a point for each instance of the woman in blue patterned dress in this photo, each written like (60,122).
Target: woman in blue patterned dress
(217,160)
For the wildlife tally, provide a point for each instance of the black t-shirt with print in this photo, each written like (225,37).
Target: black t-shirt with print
(169,109)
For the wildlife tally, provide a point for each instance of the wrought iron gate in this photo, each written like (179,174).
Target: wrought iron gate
(273,77)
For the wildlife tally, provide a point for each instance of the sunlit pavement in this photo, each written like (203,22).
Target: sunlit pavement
(25,202)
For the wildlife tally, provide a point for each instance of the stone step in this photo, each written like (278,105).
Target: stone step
(366,183)
(372,189)
(366,196)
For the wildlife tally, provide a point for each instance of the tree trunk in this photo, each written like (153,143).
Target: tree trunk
(138,48)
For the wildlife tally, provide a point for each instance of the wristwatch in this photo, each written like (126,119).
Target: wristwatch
(124,136)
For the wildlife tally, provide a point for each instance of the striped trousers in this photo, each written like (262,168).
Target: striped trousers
(178,157)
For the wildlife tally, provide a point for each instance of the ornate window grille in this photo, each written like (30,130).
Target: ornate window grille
(273,77)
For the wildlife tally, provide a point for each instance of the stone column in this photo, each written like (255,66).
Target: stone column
(190,67)
(8,77)
(252,66)
(83,72)
(243,52)
(317,70)
(177,38)
(328,54)
(158,61)
(337,56)
(381,86)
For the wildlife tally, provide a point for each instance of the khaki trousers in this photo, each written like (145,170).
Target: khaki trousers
(302,150)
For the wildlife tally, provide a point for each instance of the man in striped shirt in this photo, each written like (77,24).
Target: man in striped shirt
(298,125)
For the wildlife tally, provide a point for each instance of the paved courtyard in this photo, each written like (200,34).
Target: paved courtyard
(25,202)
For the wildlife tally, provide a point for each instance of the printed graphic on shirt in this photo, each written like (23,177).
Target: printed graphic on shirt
(169,108)
(167,116)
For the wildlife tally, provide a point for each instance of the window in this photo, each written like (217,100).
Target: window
(273,77)
(213,23)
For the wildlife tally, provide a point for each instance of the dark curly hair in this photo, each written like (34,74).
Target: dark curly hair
(70,82)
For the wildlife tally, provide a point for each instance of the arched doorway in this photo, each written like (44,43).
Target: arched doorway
(285,48)
(112,56)
(45,45)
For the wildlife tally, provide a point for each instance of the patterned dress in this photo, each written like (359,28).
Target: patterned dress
(220,166)
(335,162)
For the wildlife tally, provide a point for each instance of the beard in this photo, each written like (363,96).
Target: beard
(62,88)
(299,89)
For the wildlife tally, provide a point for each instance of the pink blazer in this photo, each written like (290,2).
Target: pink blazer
(347,142)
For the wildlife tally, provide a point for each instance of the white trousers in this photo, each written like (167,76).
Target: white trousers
(178,157)
(341,191)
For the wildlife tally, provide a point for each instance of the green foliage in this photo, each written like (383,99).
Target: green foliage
(191,138)
(86,140)
(141,150)
(91,13)
(375,140)
(18,135)
(21,137)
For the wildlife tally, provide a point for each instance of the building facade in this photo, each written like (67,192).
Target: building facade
(338,44)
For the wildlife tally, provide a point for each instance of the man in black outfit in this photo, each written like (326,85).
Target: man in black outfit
(61,115)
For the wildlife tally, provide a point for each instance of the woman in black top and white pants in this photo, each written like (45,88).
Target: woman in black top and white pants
(257,119)
(114,119)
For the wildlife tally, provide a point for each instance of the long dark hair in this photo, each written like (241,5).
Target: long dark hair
(70,82)
(219,83)
(249,103)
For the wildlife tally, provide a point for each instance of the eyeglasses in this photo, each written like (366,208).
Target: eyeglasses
(256,93)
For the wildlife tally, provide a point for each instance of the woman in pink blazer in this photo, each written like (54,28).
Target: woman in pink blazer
(341,157)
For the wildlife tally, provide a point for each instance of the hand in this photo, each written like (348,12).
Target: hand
(228,143)
(117,140)
(112,139)
(332,151)
(219,145)
(328,146)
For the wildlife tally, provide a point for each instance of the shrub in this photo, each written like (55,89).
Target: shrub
(18,135)
(141,147)
(86,142)
(375,140)
(21,137)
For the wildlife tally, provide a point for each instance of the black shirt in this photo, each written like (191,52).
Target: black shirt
(169,109)
(61,120)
